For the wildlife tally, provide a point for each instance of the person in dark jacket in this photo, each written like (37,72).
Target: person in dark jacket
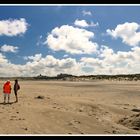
(16,88)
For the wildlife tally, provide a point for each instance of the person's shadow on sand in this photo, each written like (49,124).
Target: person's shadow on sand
(10,103)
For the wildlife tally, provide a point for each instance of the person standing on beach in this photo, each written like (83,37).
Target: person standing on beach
(7,91)
(16,88)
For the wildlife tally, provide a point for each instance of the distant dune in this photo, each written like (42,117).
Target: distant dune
(69,77)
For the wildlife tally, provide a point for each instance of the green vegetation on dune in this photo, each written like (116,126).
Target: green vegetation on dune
(68,77)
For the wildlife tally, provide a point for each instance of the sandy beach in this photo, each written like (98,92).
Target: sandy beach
(63,107)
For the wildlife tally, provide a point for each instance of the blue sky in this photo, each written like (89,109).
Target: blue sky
(49,40)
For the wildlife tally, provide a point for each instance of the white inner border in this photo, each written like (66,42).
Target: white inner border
(70,4)
(129,5)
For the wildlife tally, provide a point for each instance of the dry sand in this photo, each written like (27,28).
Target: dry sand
(98,107)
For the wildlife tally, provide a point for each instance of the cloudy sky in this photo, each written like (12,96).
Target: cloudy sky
(76,40)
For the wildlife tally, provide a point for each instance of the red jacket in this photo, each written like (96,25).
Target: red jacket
(7,87)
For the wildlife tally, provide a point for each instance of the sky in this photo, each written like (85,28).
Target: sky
(72,39)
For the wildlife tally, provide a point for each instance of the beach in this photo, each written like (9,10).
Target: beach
(72,108)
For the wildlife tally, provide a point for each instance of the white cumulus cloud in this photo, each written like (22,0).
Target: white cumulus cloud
(8,48)
(84,23)
(37,64)
(71,40)
(66,55)
(81,23)
(128,32)
(85,13)
(107,62)
(49,65)
(37,57)
(3,59)
(13,27)
(110,62)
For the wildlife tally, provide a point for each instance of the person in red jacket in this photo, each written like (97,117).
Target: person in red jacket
(7,91)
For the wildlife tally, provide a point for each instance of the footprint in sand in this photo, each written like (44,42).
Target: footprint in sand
(137,115)
(136,110)
(77,122)
(18,119)
(13,116)
(80,110)
(91,113)
(74,122)
(115,132)
(136,128)
(70,123)
(106,131)
(25,128)
(59,107)
(69,133)
(56,107)
(127,104)
(125,108)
